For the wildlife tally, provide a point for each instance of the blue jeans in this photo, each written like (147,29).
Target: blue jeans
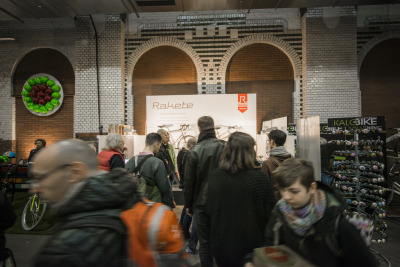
(193,236)
(185,222)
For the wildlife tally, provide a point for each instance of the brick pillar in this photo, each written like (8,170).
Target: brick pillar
(111,74)
(330,80)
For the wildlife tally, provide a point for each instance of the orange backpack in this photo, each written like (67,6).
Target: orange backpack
(154,236)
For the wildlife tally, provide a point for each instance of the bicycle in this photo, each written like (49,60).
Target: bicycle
(7,184)
(33,212)
(392,138)
(225,135)
(183,138)
(394,183)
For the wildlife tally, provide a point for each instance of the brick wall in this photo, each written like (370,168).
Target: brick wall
(265,70)
(52,128)
(111,73)
(163,70)
(56,34)
(330,79)
(380,82)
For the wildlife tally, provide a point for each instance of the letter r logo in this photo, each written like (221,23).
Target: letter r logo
(242,98)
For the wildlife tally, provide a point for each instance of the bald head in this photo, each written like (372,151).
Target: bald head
(164,136)
(191,142)
(67,151)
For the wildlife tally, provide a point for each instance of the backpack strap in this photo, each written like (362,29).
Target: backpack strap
(112,223)
(137,169)
(276,229)
(154,226)
(333,240)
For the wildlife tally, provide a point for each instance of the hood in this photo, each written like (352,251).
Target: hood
(279,151)
(111,190)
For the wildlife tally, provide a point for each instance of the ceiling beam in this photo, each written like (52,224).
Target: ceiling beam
(23,8)
(132,4)
(11,15)
(278,4)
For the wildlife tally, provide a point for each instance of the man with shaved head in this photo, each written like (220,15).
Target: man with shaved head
(67,177)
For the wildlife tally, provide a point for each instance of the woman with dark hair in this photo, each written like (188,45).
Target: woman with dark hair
(39,143)
(240,200)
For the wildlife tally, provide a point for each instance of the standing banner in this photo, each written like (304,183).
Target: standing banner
(179,114)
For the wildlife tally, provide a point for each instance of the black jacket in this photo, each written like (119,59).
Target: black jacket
(239,206)
(181,160)
(313,246)
(104,196)
(201,161)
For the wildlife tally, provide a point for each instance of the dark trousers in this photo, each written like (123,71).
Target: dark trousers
(185,222)
(194,239)
(203,225)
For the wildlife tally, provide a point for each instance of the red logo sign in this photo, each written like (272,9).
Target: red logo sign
(242,102)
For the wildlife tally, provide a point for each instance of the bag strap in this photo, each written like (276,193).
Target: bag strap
(276,229)
(333,240)
(112,223)
(137,169)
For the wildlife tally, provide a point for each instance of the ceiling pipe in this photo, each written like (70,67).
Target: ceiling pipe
(7,39)
(133,7)
(97,75)
(251,5)
(278,4)
(23,8)
(11,15)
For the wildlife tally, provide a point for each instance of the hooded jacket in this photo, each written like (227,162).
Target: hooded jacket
(313,245)
(277,156)
(104,195)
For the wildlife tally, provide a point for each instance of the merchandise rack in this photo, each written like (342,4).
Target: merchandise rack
(359,167)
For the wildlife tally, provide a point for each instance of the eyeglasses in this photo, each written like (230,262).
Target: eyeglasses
(47,174)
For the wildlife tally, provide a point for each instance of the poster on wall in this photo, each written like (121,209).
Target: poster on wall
(178,114)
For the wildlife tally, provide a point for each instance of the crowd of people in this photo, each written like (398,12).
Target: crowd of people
(234,203)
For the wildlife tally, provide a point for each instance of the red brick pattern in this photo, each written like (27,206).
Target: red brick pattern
(265,70)
(380,82)
(55,127)
(162,70)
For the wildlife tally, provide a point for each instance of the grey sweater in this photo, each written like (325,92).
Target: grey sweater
(154,168)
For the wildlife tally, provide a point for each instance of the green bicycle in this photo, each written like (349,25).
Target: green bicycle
(33,212)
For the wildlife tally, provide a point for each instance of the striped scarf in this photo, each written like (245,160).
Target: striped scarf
(300,220)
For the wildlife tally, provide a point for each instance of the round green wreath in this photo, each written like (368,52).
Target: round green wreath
(42,94)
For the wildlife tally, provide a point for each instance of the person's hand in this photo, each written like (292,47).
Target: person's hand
(189,212)
(177,174)
(249,264)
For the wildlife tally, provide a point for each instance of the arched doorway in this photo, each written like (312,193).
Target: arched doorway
(163,70)
(267,71)
(57,126)
(380,83)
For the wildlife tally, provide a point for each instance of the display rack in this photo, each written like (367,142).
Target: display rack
(358,164)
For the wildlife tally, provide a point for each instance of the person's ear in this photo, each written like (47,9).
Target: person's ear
(78,171)
(313,187)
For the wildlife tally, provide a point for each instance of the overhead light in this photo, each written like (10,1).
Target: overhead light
(7,39)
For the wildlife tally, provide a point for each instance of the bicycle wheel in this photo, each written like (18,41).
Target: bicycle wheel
(33,212)
(183,141)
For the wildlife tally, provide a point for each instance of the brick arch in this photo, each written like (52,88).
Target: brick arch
(163,41)
(22,55)
(372,43)
(263,38)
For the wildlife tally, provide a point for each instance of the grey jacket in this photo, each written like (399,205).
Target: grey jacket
(154,168)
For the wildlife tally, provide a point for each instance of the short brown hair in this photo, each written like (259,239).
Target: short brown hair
(205,123)
(292,170)
(239,153)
